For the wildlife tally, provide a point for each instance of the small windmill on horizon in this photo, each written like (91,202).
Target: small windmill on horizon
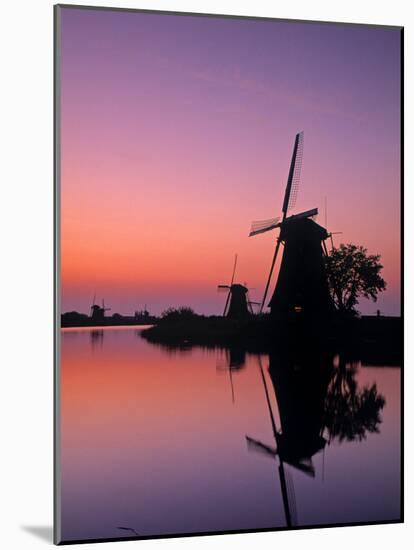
(238,305)
(97,313)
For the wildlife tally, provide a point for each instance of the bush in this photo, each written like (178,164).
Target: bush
(173,315)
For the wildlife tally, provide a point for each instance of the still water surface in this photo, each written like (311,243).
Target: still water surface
(154,440)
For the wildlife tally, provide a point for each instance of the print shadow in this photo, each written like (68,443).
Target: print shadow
(43,532)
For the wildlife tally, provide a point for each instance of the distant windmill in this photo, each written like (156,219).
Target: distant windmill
(237,304)
(302,281)
(93,305)
(98,312)
(331,233)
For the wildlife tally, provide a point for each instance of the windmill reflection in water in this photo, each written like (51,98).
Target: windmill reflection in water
(318,400)
(233,361)
(295,444)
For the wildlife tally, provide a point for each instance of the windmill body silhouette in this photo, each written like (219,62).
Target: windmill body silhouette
(98,312)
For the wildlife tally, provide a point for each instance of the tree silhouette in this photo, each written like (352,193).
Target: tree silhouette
(173,314)
(353,273)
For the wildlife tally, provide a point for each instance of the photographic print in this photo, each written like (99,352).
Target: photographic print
(229,334)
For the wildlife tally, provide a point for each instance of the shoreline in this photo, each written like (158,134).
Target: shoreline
(109,322)
(376,339)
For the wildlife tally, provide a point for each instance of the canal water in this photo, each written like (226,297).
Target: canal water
(158,441)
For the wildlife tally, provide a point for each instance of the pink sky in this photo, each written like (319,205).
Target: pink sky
(177,132)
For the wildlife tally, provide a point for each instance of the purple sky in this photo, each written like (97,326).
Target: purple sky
(177,132)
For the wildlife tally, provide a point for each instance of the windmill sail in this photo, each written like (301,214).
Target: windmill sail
(263,226)
(287,490)
(226,305)
(234,269)
(292,186)
(307,214)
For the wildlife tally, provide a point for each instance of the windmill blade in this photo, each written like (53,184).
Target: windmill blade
(232,386)
(223,287)
(269,405)
(330,235)
(307,214)
(259,447)
(229,286)
(251,304)
(285,495)
(227,303)
(306,466)
(263,226)
(234,269)
(270,274)
(129,529)
(292,185)
(292,499)
(93,303)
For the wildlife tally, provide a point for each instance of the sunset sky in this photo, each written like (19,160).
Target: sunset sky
(177,132)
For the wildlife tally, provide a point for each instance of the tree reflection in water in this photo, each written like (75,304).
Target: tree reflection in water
(350,412)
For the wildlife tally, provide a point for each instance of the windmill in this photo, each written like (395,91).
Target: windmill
(97,312)
(238,305)
(302,280)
